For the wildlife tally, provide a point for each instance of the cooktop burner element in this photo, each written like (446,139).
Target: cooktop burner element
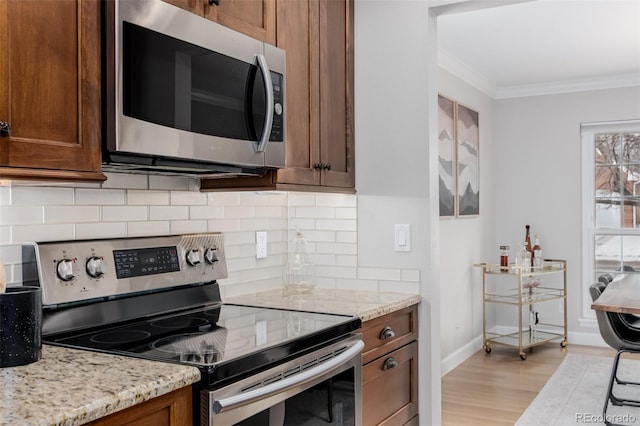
(180,322)
(119,337)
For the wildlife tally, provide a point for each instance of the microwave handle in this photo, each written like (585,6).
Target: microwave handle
(268,118)
(246,398)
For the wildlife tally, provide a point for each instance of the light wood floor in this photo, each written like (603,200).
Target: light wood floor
(496,388)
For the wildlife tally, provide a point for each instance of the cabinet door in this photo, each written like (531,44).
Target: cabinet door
(390,387)
(50,89)
(336,93)
(172,409)
(318,38)
(255,18)
(297,34)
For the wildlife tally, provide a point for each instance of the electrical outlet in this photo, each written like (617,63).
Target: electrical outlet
(402,237)
(261,244)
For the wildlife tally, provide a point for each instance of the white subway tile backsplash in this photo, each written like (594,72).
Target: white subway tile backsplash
(337,224)
(125,213)
(139,205)
(389,274)
(315,212)
(168,212)
(223,198)
(99,197)
(147,198)
(337,248)
(346,213)
(241,212)
(21,215)
(137,229)
(188,198)
(336,200)
(410,275)
(39,196)
(300,199)
(400,287)
(71,214)
(21,233)
(85,231)
(206,212)
(11,254)
(188,226)
(5,195)
(5,234)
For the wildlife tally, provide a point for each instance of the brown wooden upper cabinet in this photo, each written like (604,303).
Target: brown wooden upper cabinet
(317,36)
(50,90)
(255,18)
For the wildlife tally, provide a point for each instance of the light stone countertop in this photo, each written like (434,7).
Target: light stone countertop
(72,387)
(361,303)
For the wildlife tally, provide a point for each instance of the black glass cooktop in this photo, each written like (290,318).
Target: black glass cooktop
(222,340)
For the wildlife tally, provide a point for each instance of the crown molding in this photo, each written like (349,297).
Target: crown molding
(461,70)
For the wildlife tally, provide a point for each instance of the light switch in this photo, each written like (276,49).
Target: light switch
(402,241)
(261,244)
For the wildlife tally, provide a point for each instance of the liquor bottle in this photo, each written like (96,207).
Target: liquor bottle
(527,240)
(537,251)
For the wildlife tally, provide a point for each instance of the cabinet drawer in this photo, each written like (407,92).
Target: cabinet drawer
(386,333)
(390,387)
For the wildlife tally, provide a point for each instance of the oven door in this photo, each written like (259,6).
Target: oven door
(317,388)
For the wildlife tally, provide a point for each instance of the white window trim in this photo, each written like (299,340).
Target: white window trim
(587,132)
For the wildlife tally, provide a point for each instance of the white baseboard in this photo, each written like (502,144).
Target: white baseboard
(462,354)
(459,356)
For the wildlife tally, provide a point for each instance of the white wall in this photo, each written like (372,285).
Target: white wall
(538,178)
(469,240)
(394,74)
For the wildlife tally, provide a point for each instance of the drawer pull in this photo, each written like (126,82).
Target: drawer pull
(387,333)
(389,363)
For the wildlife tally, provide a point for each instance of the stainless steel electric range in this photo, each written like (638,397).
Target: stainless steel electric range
(158,298)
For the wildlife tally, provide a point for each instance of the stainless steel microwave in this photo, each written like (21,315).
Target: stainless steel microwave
(186,95)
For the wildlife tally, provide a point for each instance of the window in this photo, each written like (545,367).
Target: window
(611,206)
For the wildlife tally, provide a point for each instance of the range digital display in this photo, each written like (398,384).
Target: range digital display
(147,261)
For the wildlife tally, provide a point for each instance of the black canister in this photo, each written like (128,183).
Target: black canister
(20,326)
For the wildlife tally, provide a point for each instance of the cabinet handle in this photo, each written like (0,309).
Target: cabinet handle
(387,333)
(389,363)
(212,2)
(318,166)
(5,129)
(326,166)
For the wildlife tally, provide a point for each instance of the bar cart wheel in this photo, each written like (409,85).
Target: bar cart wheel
(563,344)
(487,348)
(523,356)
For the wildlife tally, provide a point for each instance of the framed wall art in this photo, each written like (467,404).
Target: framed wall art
(458,159)
(467,147)
(446,155)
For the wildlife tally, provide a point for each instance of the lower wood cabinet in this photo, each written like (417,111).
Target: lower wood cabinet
(172,409)
(390,369)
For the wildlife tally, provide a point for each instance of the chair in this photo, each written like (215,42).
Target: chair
(622,333)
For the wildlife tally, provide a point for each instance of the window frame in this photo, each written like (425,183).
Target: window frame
(589,229)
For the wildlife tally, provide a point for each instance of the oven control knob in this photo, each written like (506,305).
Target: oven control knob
(65,269)
(94,266)
(211,255)
(193,257)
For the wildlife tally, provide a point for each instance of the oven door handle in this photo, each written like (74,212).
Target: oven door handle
(246,398)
